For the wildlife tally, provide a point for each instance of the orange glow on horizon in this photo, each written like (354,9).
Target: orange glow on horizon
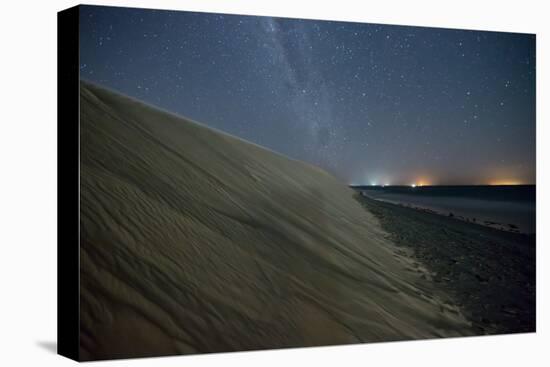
(422,182)
(504,182)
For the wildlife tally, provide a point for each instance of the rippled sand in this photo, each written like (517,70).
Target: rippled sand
(194,241)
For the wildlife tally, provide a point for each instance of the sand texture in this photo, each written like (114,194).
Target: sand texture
(194,241)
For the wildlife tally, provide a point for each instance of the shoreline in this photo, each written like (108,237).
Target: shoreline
(488,273)
(505,227)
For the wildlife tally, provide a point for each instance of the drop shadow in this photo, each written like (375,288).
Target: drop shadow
(50,346)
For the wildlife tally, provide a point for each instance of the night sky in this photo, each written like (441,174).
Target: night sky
(372,104)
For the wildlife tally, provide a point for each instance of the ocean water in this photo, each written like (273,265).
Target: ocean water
(504,207)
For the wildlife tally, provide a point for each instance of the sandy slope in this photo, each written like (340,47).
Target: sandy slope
(195,241)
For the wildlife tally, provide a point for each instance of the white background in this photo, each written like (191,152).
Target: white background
(28,182)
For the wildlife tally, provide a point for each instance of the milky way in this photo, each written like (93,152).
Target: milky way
(369,103)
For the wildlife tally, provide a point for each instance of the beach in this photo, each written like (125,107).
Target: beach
(489,273)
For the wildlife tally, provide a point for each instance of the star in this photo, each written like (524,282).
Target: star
(313,89)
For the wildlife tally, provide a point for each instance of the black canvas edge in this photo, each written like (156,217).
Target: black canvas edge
(68,184)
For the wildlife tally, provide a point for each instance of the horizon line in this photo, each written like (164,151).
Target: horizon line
(418,186)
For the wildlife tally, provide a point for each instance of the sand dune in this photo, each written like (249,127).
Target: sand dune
(195,241)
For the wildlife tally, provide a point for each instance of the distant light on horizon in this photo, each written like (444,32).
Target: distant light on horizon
(424,183)
(505,183)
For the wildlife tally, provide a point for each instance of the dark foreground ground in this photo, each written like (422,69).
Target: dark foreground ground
(489,273)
